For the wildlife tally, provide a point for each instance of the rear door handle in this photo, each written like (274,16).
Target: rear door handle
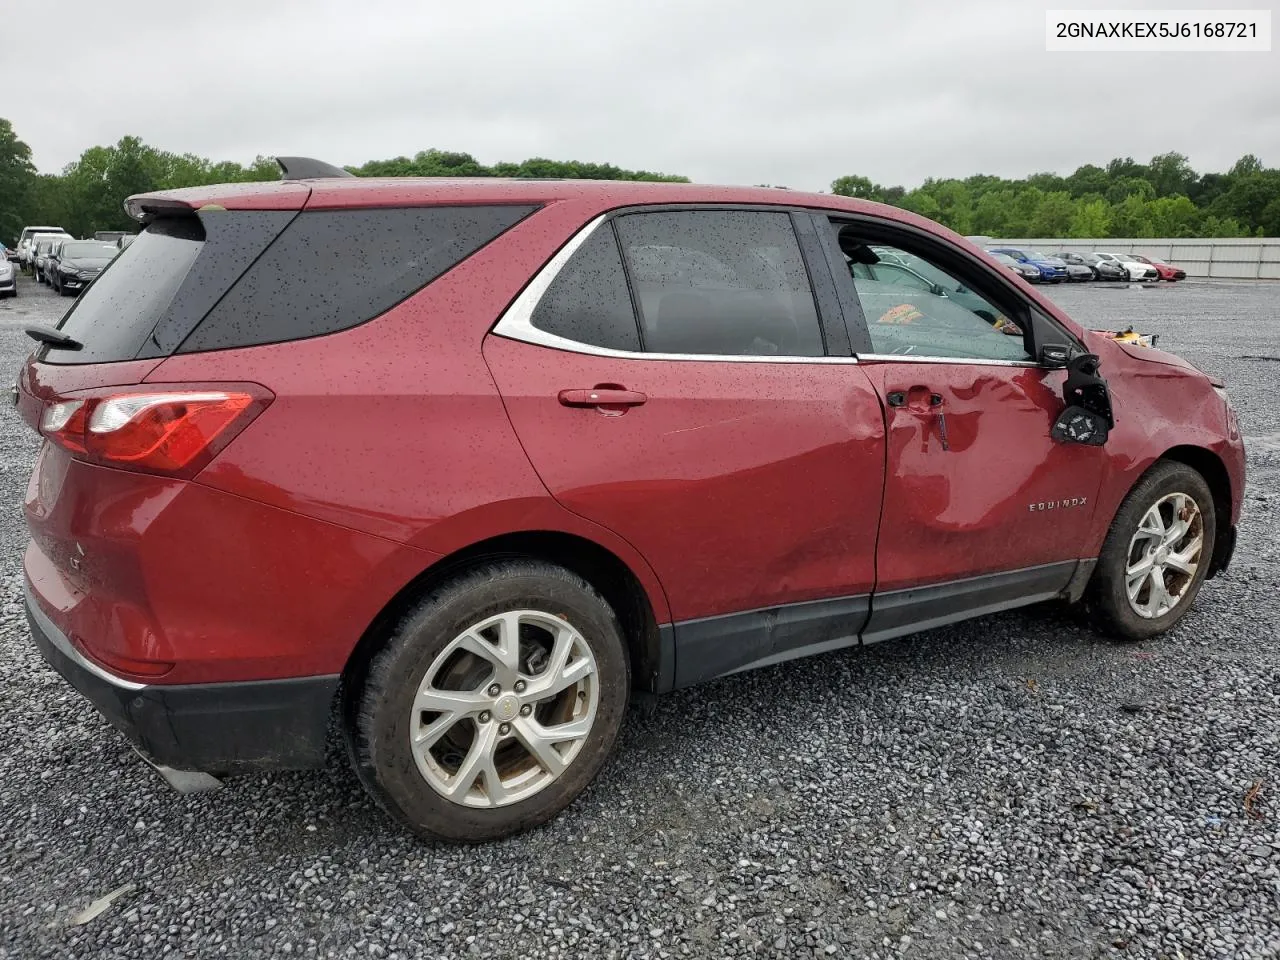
(601,397)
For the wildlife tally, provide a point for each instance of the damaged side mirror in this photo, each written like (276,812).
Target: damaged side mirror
(1088,417)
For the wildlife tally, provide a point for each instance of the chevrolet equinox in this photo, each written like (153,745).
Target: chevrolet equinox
(465,463)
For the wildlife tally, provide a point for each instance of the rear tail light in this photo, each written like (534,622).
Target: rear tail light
(166,430)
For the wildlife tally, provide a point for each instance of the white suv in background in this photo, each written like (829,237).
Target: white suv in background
(27,242)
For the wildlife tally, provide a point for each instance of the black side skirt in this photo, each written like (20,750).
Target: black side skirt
(715,646)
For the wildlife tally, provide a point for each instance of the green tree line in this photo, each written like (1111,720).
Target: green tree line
(89,193)
(1163,198)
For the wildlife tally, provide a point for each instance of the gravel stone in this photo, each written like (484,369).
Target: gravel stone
(921,798)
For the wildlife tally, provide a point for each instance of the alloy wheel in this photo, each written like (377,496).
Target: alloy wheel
(504,709)
(1164,555)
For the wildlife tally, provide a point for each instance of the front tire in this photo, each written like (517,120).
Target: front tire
(492,704)
(1156,554)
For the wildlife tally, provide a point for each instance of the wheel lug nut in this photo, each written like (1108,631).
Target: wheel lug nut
(526,710)
(519,686)
(504,729)
(494,689)
(484,716)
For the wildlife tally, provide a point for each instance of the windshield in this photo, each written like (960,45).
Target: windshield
(1037,255)
(1004,258)
(87,249)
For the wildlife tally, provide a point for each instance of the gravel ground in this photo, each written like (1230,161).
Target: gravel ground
(1010,787)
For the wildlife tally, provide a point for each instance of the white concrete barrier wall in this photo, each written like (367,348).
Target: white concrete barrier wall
(1248,259)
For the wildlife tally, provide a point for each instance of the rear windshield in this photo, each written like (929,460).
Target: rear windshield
(119,309)
(241,278)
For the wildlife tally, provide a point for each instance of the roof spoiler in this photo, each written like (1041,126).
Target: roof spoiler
(304,168)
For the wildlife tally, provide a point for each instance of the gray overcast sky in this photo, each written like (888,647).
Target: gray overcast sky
(793,93)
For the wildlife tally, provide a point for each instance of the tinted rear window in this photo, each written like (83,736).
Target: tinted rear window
(239,278)
(115,314)
(335,269)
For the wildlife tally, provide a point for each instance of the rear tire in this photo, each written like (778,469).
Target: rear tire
(491,765)
(1148,533)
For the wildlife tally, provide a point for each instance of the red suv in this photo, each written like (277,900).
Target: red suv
(466,462)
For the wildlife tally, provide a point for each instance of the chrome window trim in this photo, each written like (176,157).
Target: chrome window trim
(978,361)
(516,322)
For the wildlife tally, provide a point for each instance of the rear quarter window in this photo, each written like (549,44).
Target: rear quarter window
(335,269)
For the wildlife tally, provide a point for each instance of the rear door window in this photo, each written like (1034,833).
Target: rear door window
(722,282)
(335,269)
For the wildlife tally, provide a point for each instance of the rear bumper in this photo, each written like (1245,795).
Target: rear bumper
(218,728)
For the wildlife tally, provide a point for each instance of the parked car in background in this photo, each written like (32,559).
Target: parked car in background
(10,253)
(73,264)
(122,243)
(645,446)
(1052,270)
(1027,271)
(1134,269)
(8,279)
(26,242)
(110,235)
(1100,269)
(1076,271)
(1163,270)
(40,255)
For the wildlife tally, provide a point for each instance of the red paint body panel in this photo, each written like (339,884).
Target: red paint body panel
(963,508)
(395,428)
(223,587)
(1159,405)
(745,484)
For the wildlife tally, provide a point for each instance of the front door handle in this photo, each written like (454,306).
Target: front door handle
(601,397)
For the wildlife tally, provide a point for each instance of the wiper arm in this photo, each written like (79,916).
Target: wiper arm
(55,338)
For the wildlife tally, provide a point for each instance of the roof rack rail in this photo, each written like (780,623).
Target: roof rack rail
(304,168)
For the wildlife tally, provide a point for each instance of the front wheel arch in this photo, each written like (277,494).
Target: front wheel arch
(1210,466)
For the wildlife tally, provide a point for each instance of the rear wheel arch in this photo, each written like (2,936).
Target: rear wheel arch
(600,567)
